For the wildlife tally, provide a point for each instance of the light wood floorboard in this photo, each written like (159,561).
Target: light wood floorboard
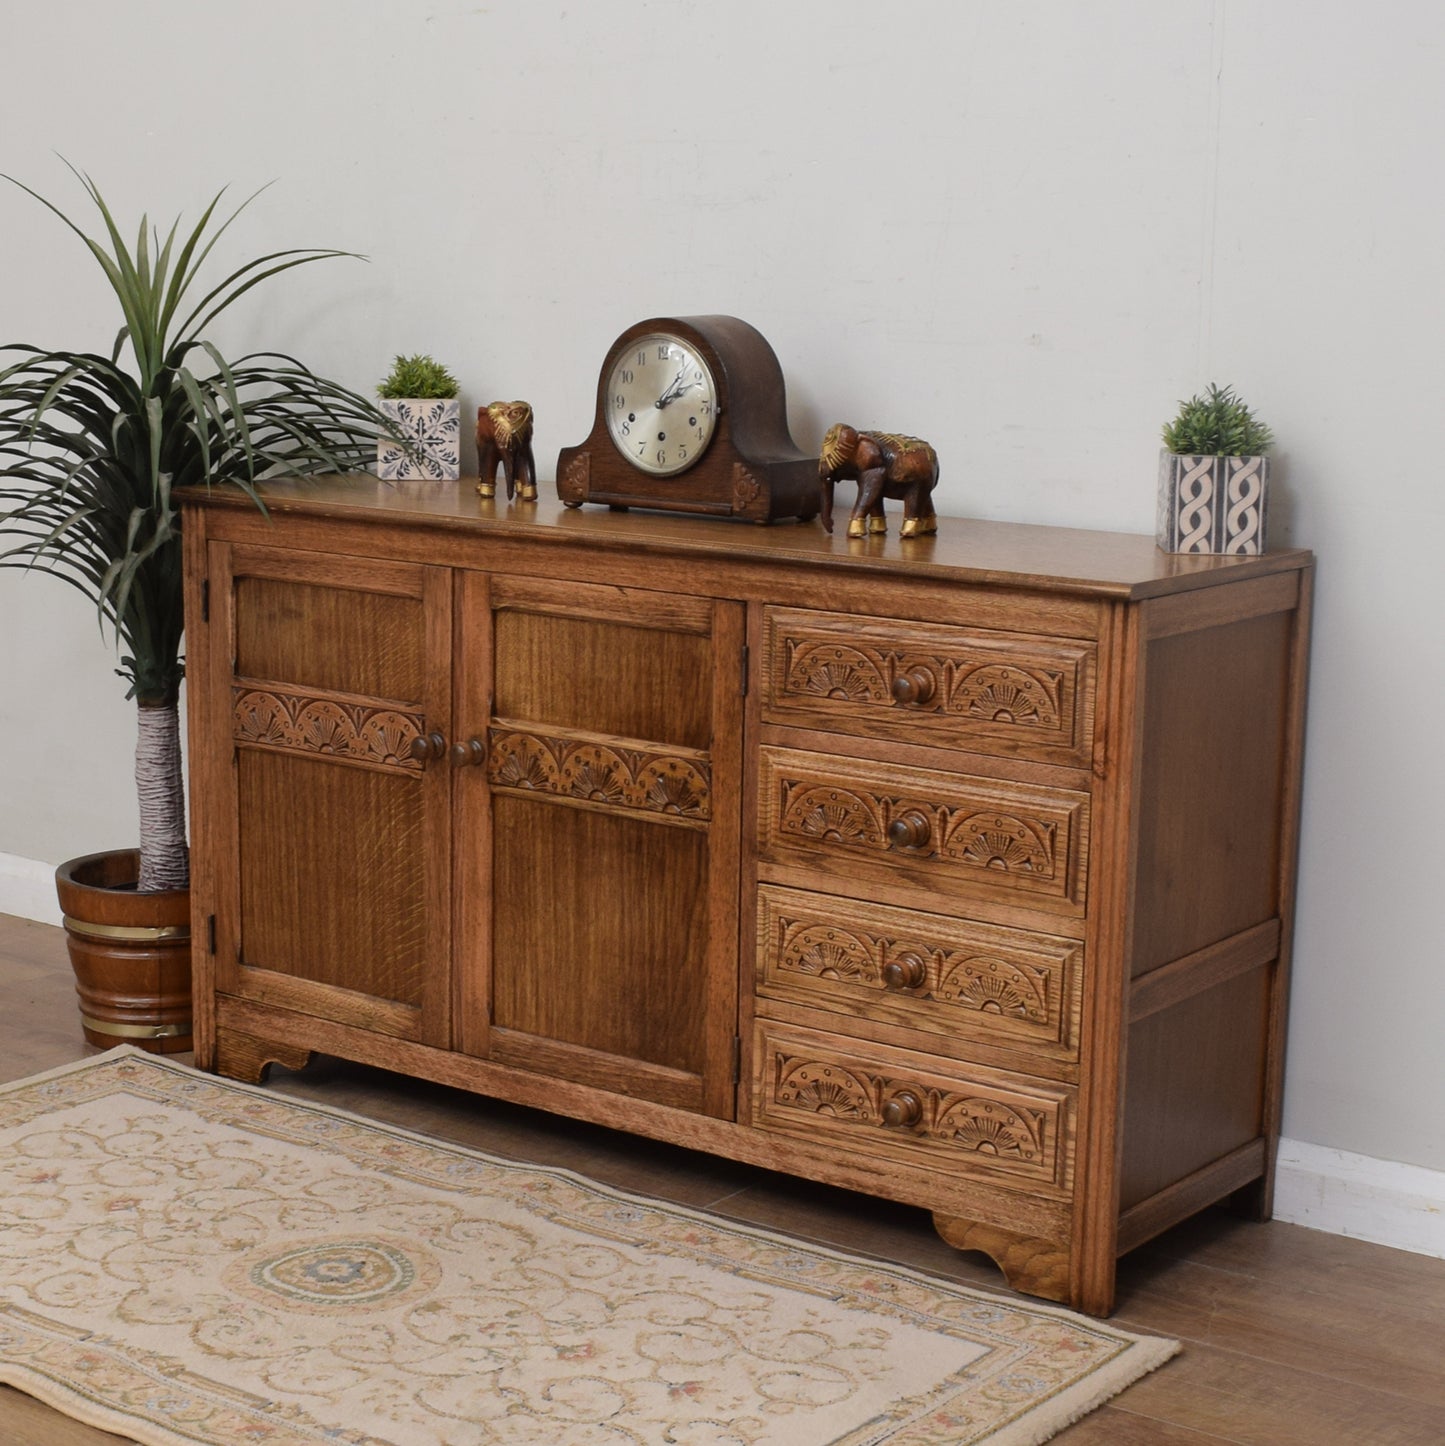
(1291,1337)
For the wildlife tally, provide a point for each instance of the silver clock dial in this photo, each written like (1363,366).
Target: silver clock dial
(661,404)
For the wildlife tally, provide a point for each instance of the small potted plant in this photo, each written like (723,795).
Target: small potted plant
(419,397)
(1213,477)
(92,451)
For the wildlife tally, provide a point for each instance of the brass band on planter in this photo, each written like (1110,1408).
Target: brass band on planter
(137,934)
(136,1031)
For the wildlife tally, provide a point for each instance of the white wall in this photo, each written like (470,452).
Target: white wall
(1021,231)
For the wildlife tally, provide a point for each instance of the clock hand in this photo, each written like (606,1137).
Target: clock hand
(674,391)
(671,392)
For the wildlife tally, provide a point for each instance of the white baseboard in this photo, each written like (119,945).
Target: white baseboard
(1322,1188)
(1344,1194)
(27,889)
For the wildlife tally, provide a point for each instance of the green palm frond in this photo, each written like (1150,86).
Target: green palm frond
(92,450)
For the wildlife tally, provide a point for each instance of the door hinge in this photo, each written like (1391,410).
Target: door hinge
(745,671)
(737,1058)
(210,933)
(206,600)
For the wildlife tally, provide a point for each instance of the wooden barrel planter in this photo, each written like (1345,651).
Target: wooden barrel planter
(131,953)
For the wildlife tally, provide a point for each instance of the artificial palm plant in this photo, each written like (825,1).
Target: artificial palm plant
(93,448)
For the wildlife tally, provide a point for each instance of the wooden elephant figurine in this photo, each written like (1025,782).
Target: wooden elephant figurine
(504,437)
(883,464)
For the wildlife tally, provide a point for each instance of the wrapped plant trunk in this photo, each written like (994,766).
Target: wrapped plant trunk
(164,857)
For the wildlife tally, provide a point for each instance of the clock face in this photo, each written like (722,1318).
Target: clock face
(661,404)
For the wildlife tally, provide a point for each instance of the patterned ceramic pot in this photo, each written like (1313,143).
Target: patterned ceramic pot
(435,430)
(1212,504)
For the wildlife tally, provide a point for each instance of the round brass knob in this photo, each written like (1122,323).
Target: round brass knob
(907,971)
(910,830)
(426,746)
(915,686)
(468,754)
(903,1111)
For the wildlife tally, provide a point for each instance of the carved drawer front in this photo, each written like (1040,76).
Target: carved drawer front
(953,977)
(894,1104)
(992,692)
(950,832)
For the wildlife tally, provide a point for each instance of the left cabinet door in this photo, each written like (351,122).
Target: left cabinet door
(327,847)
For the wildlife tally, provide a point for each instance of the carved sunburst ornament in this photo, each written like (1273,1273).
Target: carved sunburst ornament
(830,813)
(834,670)
(386,736)
(325,728)
(675,786)
(518,761)
(262,718)
(1002,842)
(826,952)
(1000,694)
(595,773)
(993,986)
(989,1128)
(823,1089)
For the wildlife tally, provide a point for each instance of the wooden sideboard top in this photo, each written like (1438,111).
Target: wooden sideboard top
(1051,559)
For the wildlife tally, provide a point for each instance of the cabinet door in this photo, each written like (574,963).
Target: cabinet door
(601,821)
(333,885)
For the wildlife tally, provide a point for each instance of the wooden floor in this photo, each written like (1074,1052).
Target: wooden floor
(1291,1337)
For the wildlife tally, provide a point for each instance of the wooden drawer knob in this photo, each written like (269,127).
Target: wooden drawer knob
(907,971)
(903,1111)
(426,747)
(469,754)
(910,830)
(915,686)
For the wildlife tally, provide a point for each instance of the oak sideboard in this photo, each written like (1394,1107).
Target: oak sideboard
(954,870)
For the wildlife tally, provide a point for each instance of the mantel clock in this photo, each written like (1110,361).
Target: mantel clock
(691,417)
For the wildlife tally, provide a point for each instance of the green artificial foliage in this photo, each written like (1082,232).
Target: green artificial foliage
(419,378)
(93,448)
(1217,424)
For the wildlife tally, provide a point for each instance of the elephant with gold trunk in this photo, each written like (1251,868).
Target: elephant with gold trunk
(504,439)
(884,464)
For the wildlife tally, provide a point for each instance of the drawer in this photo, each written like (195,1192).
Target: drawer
(1013,694)
(893,1104)
(1013,988)
(947,832)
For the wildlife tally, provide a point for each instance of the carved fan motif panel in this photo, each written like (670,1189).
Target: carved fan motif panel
(841,815)
(955,977)
(1030,697)
(990,1125)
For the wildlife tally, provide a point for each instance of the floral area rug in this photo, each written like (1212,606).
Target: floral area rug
(184,1259)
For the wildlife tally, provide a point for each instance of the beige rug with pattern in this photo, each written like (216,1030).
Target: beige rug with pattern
(184,1259)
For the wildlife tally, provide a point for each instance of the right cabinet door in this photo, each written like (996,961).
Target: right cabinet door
(601,822)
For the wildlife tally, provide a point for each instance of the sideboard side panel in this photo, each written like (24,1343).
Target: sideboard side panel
(1212,891)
